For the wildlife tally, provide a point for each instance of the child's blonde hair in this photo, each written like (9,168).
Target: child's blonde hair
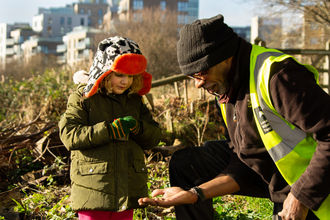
(135,87)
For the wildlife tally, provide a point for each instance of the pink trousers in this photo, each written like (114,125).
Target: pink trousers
(104,215)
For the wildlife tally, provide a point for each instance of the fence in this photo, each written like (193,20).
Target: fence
(320,54)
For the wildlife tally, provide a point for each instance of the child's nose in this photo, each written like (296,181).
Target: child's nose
(124,80)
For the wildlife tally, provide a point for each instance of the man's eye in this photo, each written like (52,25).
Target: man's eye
(204,72)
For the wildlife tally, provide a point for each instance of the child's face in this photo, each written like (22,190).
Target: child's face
(120,82)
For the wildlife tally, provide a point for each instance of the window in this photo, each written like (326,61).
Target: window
(62,30)
(49,30)
(182,6)
(100,13)
(89,12)
(314,26)
(89,21)
(137,4)
(82,11)
(44,49)
(162,5)
(314,40)
(100,21)
(69,29)
(69,20)
(182,19)
(82,21)
(61,20)
(49,20)
(35,24)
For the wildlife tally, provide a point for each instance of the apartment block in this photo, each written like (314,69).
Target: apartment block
(37,44)
(243,32)
(11,36)
(78,45)
(314,34)
(268,30)
(187,9)
(56,22)
(94,9)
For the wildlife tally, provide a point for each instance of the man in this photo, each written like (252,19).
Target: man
(278,129)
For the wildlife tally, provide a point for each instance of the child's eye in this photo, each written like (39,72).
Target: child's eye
(130,76)
(119,74)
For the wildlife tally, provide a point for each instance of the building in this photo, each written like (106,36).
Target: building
(10,41)
(78,45)
(187,9)
(56,22)
(243,32)
(314,34)
(268,30)
(94,9)
(20,36)
(37,44)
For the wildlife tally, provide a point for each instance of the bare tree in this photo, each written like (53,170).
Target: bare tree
(156,32)
(318,10)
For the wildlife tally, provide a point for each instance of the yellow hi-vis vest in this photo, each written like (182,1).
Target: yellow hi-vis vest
(290,148)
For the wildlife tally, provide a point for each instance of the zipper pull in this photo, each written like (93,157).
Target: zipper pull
(235,118)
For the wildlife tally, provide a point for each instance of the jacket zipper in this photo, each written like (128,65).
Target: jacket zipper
(237,125)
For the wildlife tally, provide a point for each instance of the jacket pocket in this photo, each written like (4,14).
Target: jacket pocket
(140,167)
(89,169)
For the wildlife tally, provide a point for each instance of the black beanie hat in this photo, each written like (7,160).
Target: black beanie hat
(205,43)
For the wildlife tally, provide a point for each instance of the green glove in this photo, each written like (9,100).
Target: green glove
(118,128)
(133,124)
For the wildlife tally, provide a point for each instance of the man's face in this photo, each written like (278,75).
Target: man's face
(214,80)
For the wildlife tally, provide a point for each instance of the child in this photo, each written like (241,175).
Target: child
(108,175)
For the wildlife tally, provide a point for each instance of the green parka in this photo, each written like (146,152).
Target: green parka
(108,175)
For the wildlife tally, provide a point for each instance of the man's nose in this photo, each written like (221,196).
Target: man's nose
(199,83)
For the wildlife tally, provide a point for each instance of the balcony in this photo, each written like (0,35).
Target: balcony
(10,51)
(61,48)
(10,42)
(83,44)
(61,59)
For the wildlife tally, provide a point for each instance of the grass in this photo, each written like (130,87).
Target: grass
(47,94)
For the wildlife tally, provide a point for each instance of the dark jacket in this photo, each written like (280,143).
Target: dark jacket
(106,174)
(299,100)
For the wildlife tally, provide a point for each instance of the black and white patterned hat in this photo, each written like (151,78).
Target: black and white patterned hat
(117,54)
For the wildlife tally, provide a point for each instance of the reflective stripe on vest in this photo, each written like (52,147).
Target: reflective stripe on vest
(290,147)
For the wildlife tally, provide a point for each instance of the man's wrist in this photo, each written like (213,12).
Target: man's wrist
(199,193)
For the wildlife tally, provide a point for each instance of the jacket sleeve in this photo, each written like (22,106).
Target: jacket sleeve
(74,130)
(305,104)
(150,136)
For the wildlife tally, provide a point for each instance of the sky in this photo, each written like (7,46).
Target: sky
(235,12)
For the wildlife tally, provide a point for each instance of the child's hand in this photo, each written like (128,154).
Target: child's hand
(133,124)
(118,129)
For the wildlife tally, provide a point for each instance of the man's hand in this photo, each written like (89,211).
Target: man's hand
(172,196)
(293,209)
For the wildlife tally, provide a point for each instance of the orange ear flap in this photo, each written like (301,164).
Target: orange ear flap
(147,78)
